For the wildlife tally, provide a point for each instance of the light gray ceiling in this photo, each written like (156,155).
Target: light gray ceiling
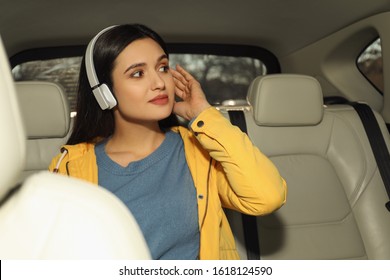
(281,26)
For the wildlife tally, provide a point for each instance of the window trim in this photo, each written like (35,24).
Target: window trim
(268,58)
(357,65)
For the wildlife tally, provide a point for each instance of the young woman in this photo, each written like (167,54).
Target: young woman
(175,180)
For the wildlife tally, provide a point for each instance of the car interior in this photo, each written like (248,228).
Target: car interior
(308,81)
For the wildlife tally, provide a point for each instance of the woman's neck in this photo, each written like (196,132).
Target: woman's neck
(132,142)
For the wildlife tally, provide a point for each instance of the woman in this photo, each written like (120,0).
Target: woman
(175,180)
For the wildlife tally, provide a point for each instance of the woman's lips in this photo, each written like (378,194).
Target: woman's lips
(160,100)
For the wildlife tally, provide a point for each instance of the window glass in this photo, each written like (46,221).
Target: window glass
(370,64)
(64,71)
(224,79)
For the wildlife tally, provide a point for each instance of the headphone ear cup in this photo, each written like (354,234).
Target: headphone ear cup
(104,97)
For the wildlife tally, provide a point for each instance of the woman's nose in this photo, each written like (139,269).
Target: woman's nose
(158,81)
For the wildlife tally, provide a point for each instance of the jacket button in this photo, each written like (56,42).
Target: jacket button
(200,123)
(200,196)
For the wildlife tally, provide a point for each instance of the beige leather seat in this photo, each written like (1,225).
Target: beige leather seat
(51,216)
(46,117)
(336,198)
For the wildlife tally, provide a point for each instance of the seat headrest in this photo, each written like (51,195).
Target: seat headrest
(12,140)
(45,109)
(286,100)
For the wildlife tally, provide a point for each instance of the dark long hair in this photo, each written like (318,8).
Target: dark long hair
(91,121)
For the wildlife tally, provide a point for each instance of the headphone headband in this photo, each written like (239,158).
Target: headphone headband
(89,64)
(101,92)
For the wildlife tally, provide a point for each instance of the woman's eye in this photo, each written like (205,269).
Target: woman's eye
(164,68)
(137,74)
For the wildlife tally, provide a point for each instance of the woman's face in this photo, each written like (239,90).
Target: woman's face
(142,82)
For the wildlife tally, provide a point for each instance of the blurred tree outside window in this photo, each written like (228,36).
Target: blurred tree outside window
(370,64)
(224,79)
(63,71)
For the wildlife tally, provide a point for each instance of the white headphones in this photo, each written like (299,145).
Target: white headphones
(102,93)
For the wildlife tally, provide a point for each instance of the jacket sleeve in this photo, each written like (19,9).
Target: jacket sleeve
(246,179)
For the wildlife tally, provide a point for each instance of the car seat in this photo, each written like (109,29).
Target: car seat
(336,198)
(46,117)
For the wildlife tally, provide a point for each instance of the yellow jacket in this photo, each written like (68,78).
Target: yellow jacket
(227,169)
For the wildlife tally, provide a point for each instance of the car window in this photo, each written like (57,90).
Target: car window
(225,79)
(63,71)
(370,64)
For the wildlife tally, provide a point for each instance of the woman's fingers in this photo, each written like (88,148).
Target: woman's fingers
(183,76)
(187,76)
(179,93)
(179,77)
(181,84)
(189,90)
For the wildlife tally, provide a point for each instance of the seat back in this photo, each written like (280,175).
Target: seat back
(336,198)
(12,142)
(46,117)
(50,216)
